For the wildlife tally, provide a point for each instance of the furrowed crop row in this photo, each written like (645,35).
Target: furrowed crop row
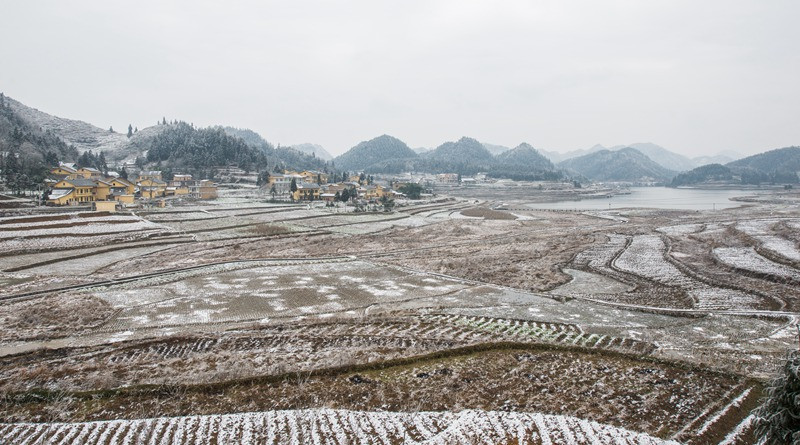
(549,332)
(325,426)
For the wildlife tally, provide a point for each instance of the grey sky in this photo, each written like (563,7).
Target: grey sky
(696,77)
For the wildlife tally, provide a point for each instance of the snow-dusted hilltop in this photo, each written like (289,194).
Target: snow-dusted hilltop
(82,135)
(313,149)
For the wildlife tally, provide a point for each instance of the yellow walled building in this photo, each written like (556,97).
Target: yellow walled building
(307,192)
(105,206)
(72,191)
(87,173)
(313,176)
(122,186)
(62,171)
(152,188)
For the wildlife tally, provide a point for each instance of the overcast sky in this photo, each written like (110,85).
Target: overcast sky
(696,77)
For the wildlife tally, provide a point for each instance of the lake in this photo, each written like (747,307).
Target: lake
(658,198)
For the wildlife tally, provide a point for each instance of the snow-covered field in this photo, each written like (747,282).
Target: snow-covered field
(645,257)
(75,232)
(598,257)
(99,228)
(745,258)
(263,290)
(327,426)
(780,247)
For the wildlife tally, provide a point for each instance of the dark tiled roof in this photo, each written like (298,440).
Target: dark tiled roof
(80,182)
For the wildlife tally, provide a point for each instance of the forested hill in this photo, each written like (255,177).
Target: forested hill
(26,150)
(524,156)
(371,155)
(465,156)
(627,164)
(524,163)
(774,161)
(775,167)
(281,157)
(183,147)
(315,150)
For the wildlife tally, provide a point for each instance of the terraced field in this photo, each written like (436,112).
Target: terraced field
(240,321)
(339,427)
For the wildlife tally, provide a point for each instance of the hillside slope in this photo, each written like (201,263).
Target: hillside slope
(465,156)
(366,155)
(627,164)
(778,166)
(283,157)
(785,159)
(663,157)
(524,163)
(80,134)
(313,150)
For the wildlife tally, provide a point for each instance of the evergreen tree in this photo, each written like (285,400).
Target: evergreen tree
(110,129)
(412,191)
(123,174)
(387,203)
(130,130)
(11,171)
(263,178)
(51,159)
(293,187)
(163,121)
(777,420)
(101,163)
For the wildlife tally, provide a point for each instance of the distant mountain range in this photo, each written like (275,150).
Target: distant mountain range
(466,156)
(314,150)
(665,158)
(780,166)
(376,155)
(40,139)
(495,149)
(626,164)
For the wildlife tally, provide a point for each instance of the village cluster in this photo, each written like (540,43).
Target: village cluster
(72,185)
(312,185)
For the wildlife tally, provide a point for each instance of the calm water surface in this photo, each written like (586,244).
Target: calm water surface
(658,198)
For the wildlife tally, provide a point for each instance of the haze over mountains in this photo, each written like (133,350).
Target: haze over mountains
(181,145)
(775,166)
(625,164)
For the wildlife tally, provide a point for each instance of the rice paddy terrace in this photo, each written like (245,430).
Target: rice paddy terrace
(238,321)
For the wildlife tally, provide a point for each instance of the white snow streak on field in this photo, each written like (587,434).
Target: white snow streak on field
(645,257)
(321,426)
(760,229)
(746,258)
(88,229)
(75,219)
(780,246)
(597,257)
(756,226)
(682,229)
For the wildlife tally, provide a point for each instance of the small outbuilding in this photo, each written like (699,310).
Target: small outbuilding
(105,206)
